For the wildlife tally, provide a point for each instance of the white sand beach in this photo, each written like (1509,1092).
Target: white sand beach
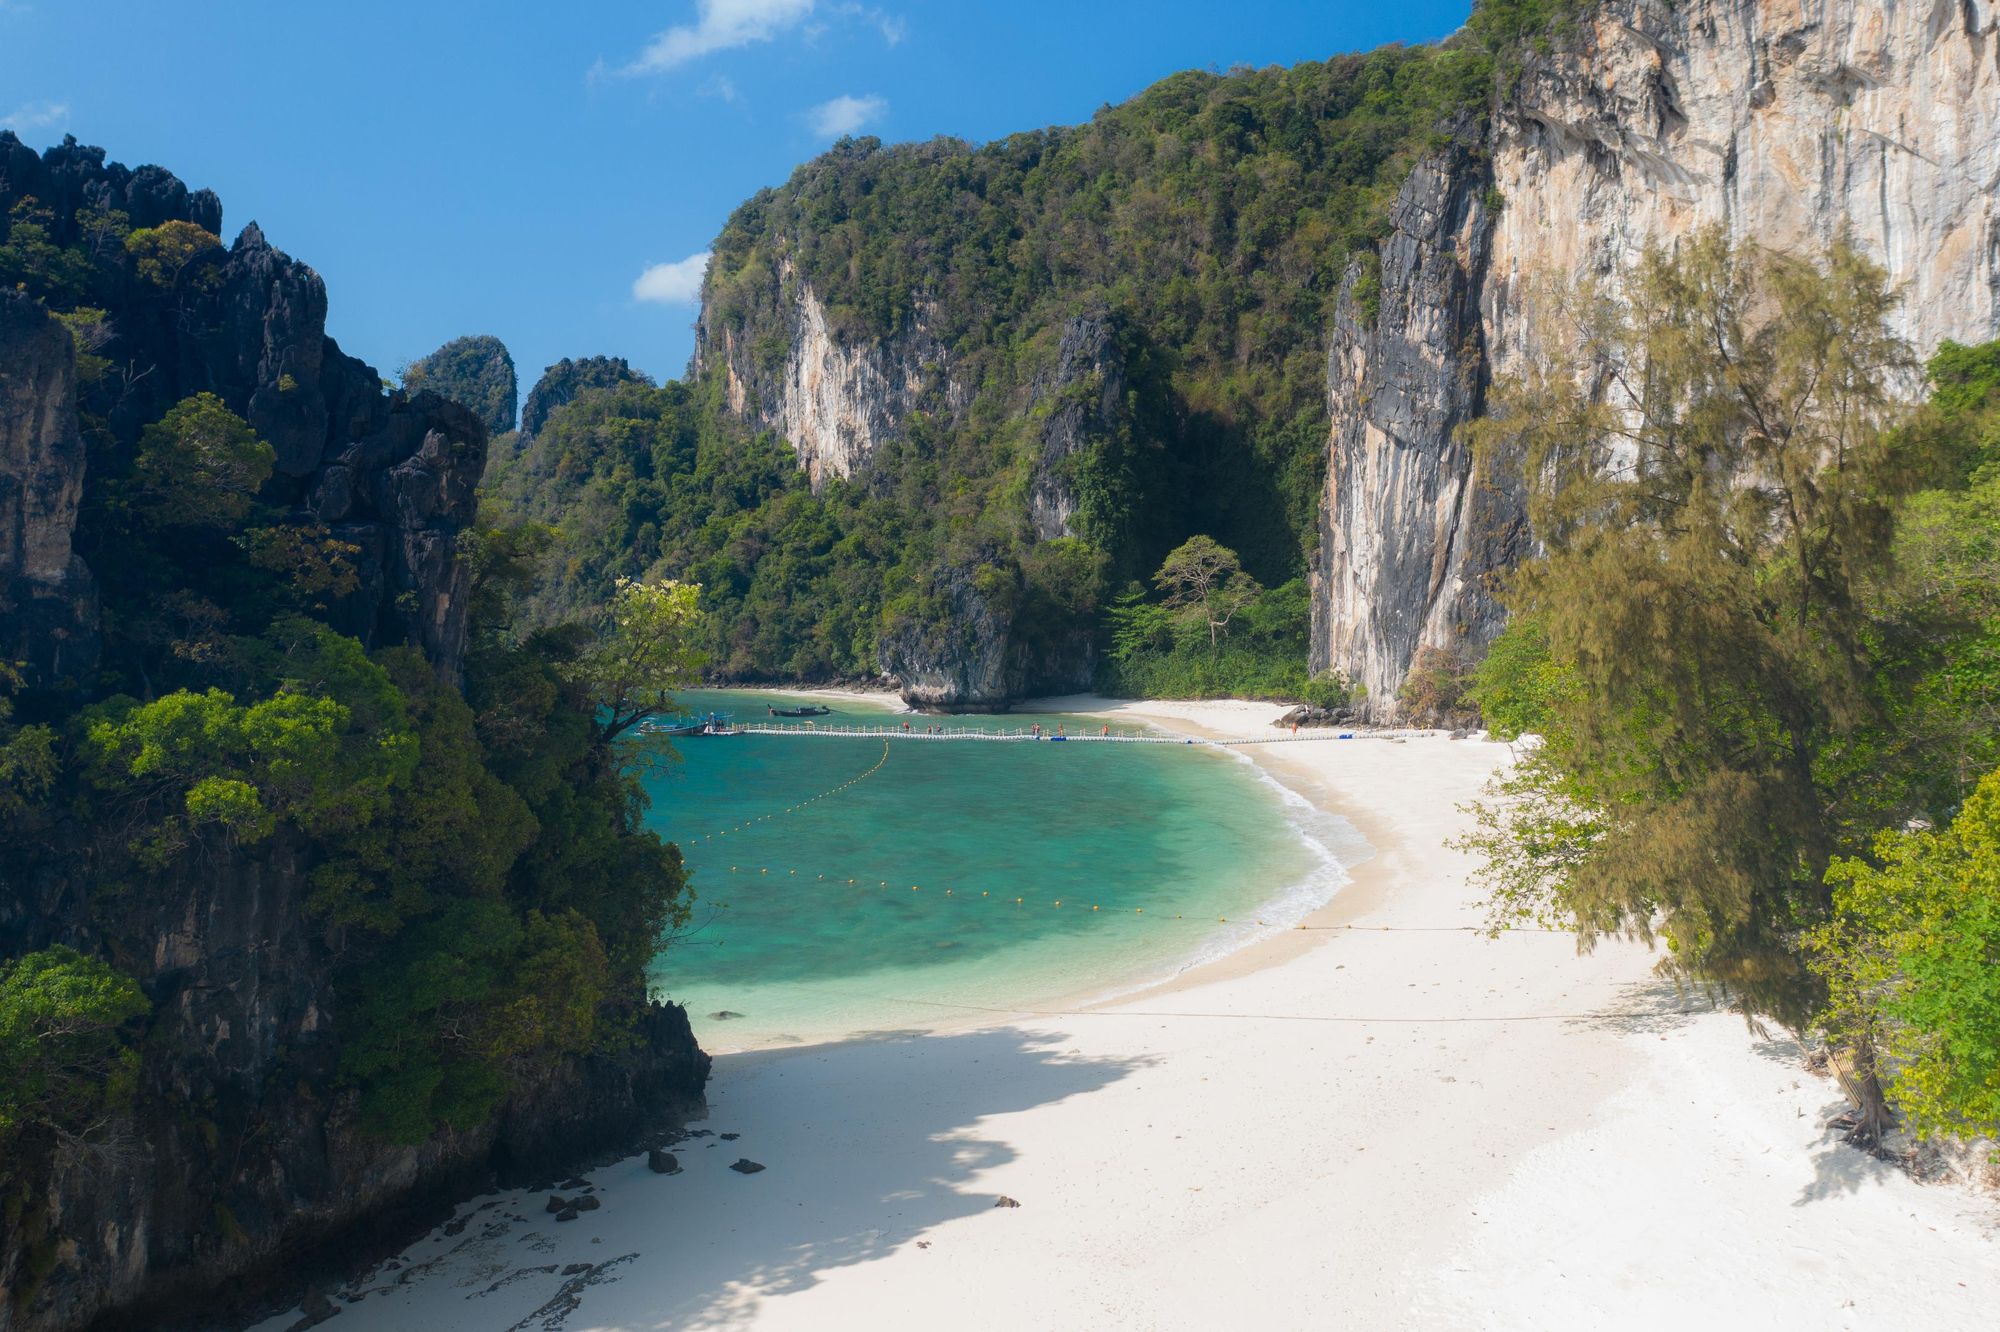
(1387,1121)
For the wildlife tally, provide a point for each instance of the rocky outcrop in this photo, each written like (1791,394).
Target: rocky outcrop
(1079,401)
(1406,367)
(956,661)
(477,373)
(242,1150)
(835,400)
(243,1153)
(1784,121)
(566,378)
(48,606)
(391,474)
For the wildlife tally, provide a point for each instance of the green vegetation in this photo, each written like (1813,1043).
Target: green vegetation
(1199,234)
(66,1057)
(1911,960)
(1213,633)
(475,372)
(1756,651)
(473,853)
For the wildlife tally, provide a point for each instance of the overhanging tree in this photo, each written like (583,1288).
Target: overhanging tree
(1708,469)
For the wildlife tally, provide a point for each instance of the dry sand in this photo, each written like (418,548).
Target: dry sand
(1398,1124)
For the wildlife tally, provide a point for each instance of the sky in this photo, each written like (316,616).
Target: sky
(554,176)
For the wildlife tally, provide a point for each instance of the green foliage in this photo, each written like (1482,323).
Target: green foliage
(32,261)
(1911,958)
(66,1060)
(169,255)
(1436,691)
(647,649)
(1710,731)
(1203,581)
(1519,687)
(475,372)
(201,466)
(1158,652)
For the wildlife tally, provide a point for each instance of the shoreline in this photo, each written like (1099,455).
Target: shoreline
(1403,1125)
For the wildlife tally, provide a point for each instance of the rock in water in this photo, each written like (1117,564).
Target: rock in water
(567,1214)
(587,1203)
(663,1163)
(746,1166)
(557,1202)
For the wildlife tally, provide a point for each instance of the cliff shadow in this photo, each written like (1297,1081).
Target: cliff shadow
(866,1146)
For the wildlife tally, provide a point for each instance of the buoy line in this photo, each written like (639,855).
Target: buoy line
(1075,907)
(809,800)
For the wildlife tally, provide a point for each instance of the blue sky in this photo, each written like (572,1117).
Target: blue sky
(552,174)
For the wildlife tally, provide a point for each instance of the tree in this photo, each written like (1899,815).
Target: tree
(1706,464)
(200,466)
(645,650)
(163,253)
(1202,577)
(1911,959)
(65,1063)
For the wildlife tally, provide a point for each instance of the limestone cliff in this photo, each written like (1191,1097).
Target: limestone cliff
(1782,120)
(241,1149)
(833,398)
(48,608)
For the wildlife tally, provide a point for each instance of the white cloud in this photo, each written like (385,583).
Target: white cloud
(36,115)
(721,26)
(845,114)
(724,25)
(677,283)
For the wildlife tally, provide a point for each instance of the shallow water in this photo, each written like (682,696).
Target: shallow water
(849,885)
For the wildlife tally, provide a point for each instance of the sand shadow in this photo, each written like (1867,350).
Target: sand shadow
(1652,1007)
(902,1147)
(866,1145)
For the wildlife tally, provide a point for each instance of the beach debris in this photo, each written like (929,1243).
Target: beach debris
(577,1269)
(1004,1201)
(923,1244)
(745,1166)
(567,1214)
(731,1137)
(587,1203)
(557,1202)
(701,1133)
(663,1163)
(724,1015)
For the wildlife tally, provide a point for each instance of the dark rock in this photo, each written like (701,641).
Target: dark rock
(557,1203)
(567,1214)
(731,1137)
(1004,1201)
(724,1015)
(48,600)
(587,1203)
(242,977)
(574,1183)
(663,1163)
(578,1269)
(745,1166)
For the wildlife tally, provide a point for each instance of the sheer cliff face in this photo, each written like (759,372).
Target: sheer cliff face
(48,609)
(834,400)
(1782,120)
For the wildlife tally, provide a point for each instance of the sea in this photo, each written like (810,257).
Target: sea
(854,885)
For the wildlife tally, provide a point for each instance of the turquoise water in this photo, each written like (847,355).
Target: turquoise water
(848,885)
